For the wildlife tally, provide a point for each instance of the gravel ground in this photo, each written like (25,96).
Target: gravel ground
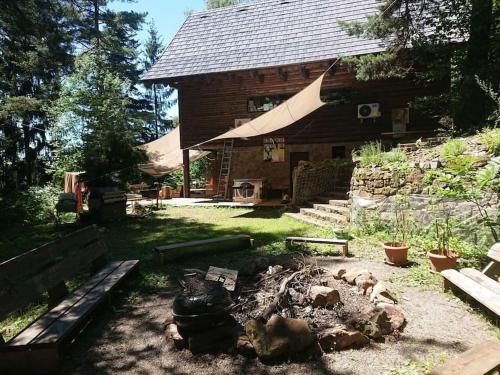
(130,340)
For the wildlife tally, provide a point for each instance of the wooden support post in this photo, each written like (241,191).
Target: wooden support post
(185,168)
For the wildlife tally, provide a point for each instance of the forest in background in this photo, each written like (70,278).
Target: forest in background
(71,97)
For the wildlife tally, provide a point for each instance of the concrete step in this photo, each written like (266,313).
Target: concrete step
(325,216)
(339,202)
(334,209)
(308,219)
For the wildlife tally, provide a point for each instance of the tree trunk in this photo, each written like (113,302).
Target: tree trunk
(472,106)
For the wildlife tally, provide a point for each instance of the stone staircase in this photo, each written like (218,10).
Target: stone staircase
(326,211)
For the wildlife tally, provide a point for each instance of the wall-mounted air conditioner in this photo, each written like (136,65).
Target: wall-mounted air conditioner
(371,110)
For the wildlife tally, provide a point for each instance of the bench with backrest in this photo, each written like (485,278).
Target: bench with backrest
(483,286)
(323,241)
(26,278)
(479,360)
(163,254)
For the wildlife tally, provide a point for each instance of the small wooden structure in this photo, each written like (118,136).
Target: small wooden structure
(480,360)
(163,254)
(37,349)
(323,241)
(481,286)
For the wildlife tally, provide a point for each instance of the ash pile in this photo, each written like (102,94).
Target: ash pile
(283,310)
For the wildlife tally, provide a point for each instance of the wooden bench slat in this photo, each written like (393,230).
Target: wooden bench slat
(331,241)
(209,241)
(61,328)
(171,252)
(38,258)
(15,295)
(494,252)
(481,279)
(44,321)
(479,360)
(481,294)
(324,241)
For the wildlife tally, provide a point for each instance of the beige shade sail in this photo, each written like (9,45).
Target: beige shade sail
(298,106)
(165,154)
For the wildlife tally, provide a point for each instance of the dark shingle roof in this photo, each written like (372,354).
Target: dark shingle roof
(264,33)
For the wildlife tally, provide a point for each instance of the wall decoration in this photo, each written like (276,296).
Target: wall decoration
(400,118)
(274,149)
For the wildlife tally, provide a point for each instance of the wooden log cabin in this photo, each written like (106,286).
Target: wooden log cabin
(232,64)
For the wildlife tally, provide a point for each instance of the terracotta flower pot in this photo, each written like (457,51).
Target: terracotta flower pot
(396,253)
(442,262)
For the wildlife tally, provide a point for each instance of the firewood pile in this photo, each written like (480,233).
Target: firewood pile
(284,310)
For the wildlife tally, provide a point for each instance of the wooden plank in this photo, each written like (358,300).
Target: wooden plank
(242,237)
(16,295)
(328,241)
(479,360)
(226,276)
(482,279)
(325,241)
(481,294)
(44,321)
(176,251)
(61,328)
(494,252)
(39,258)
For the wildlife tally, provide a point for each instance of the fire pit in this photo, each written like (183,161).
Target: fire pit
(279,311)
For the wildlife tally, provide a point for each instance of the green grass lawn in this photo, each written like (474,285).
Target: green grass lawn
(135,238)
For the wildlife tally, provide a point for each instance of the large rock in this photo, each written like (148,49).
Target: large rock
(374,323)
(280,337)
(341,337)
(395,315)
(323,296)
(245,347)
(351,275)
(171,333)
(338,273)
(381,293)
(365,282)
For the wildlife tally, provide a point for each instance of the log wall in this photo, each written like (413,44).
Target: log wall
(209,104)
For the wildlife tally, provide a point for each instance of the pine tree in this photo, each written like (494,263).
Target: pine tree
(94,121)
(35,50)
(157,97)
(212,4)
(423,39)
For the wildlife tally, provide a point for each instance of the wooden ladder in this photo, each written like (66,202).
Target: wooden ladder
(225,170)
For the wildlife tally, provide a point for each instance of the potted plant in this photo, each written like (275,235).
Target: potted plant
(396,251)
(442,257)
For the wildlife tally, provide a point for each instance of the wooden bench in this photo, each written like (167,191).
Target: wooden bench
(163,254)
(481,286)
(23,280)
(482,359)
(324,241)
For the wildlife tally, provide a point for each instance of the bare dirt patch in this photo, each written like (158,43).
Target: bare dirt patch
(131,339)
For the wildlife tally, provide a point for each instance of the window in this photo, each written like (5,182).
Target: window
(335,96)
(338,152)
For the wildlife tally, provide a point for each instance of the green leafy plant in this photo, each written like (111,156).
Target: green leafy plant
(491,138)
(369,154)
(453,149)
(373,154)
(400,224)
(38,204)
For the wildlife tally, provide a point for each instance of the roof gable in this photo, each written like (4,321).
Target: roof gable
(264,33)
